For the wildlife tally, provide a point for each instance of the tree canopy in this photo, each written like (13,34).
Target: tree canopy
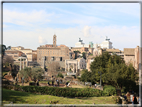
(84,55)
(114,71)
(31,73)
(3,48)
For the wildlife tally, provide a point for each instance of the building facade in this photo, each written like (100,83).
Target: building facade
(131,55)
(80,49)
(29,53)
(52,52)
(81,63)
(89,60)
(105,44)
(13,53)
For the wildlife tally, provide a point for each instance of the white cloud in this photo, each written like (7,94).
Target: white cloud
(25,18)
(86,31)
(42,40)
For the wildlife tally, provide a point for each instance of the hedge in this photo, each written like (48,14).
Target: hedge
(56,91)
(109,90)
(64,92)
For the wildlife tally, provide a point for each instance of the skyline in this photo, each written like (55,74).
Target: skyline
(34,24)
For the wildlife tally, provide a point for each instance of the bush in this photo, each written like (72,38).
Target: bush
(32,84)
(109,90)
(60,75)
(64,92)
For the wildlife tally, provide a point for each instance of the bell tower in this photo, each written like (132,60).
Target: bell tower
(54,40)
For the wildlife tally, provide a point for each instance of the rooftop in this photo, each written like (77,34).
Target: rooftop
(13,51)
(129,51)
(26,49)
(113,50)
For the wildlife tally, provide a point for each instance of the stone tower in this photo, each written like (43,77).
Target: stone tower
(54,40)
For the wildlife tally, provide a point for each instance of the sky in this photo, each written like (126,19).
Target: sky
(33,24)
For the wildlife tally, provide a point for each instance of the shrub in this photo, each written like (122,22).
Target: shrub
(60,75)
(109,90)
(56,91)
(32,84)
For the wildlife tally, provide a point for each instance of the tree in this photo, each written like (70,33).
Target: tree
(85,77)
(9,47)
(31,73)
(114,71)
(76,54)
(8,59)
(60,75)
(26,73)
(8,62)
(84,55)
(53,68)
(3,48)
(37,73)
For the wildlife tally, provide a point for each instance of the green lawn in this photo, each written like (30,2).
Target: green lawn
(18,97)
(46,82)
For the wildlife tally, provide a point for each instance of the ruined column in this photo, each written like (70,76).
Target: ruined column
(20,63)
(73,68)
(26,62)
(23,63)
(68,67)
(65,65)
(76,67)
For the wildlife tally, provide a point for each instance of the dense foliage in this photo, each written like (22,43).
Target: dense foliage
(109,90)
(31,73)
(84,55)
(76,54)
(113,70)
(60,75)
(56,91)
(3,48)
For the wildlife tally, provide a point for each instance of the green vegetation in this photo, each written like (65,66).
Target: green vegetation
(109,90)
(56,91)
(76,54)
(60,75)
(45,82)
(3,48)
(85,77)
(18,97)
(114,72)
(84,55)
(31,73)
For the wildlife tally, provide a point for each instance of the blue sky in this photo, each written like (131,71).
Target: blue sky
(34,24)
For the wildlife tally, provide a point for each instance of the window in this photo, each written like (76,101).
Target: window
(60,58)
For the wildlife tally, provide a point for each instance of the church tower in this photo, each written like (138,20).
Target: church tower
(54,40)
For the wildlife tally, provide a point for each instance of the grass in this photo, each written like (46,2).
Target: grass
(46,82)
(78,86)
(18,97)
